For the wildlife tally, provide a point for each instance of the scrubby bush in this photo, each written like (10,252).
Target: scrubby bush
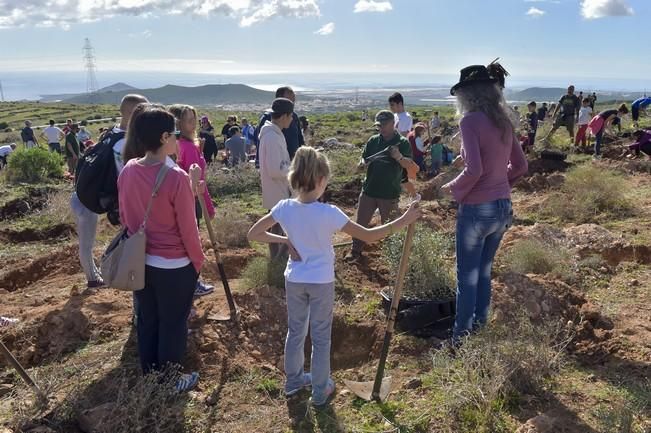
(531,256)
(343,163)
(430,274)
(587,192)
(34,165)
(262,271)
(231,227)
(230,181)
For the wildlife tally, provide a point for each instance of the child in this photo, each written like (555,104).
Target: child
(602,122)
(418,145)
(585,114)
(310,272)
(542,113)
(436,151)
(236,147)
(532,124)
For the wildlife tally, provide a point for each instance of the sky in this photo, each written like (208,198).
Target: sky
(551,39)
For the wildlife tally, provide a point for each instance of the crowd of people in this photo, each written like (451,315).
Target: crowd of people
(154,148)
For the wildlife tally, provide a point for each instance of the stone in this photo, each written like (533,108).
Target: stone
(539,424)
(533,308)
(555,180)
(413,383)
(89,420)
(41,429)
(634,282)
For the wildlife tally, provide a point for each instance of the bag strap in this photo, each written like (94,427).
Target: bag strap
(160,177)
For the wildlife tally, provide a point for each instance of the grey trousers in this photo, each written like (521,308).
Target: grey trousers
(366,207)
(86,230)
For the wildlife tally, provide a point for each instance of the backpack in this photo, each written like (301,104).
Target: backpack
(96,176)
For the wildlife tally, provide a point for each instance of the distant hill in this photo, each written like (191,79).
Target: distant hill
(538,94)
(117,87)
(212,94)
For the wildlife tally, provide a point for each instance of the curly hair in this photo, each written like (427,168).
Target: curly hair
(488,99)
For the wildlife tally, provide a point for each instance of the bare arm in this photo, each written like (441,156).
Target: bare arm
(377,233)
(259,233)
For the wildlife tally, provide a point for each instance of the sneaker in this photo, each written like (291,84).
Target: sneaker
(329,394)
(307,382)
(5,322)
(203,289)
(187,382)
(95,284)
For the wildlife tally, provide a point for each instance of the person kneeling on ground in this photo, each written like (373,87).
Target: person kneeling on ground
(5,151)
(236,147)
(310,272)
(385,156)
(642,143)
(174,255)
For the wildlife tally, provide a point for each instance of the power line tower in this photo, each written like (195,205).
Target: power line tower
(2,93)
(91,68)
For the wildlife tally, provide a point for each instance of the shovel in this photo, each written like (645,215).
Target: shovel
(195,175)
(21,371)
(379,389)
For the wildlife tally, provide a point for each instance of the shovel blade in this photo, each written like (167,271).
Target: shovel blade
(364,390)
(219,317)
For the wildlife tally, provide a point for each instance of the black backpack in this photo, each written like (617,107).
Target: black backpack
(96,176)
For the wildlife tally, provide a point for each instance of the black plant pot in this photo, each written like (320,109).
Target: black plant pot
(416,315)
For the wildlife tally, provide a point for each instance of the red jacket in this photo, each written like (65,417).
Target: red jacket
(414,149)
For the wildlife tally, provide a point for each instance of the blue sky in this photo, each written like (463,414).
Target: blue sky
(534,38)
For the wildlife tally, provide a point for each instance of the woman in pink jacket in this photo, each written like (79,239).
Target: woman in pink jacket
(190,152)
(173,253)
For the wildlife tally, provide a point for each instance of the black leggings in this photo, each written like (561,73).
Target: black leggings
(163,309)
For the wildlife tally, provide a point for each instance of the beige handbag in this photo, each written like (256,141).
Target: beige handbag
(123,263)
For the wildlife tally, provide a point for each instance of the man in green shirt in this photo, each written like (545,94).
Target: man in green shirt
(385,157)
(72,148)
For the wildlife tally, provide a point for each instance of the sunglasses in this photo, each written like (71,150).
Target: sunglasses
(177,134)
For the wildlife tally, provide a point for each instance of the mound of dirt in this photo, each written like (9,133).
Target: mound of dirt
(547,166)
(346,195)
(62,261)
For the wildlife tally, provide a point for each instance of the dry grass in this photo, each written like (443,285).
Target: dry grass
(532,256)
(231,227)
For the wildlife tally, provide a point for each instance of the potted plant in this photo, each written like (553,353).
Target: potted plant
(430,285)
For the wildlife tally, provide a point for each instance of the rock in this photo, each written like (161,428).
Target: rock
(538,182)
(211,346)
(90,419)
(344,392)
(532,307)
(538,424)
(41,429)
(413,383)
(634,282)
(5,389)
(555,180)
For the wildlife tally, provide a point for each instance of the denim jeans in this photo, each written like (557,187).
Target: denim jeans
(86,231)
(597,142)
(480,228)
(309,305)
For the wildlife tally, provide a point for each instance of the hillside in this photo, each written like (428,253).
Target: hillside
(212,94)
(117,87)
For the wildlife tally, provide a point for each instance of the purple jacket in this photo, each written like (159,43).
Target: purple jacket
(493,161)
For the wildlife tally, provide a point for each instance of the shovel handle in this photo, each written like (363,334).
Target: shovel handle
(21,371)
(218,258)
(393,311)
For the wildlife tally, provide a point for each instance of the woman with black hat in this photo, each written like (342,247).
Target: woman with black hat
(493,160)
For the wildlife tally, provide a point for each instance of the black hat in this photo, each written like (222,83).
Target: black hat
(493,73)
(282,106)
(473,74)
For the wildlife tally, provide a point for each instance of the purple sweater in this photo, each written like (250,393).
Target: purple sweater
(492,164)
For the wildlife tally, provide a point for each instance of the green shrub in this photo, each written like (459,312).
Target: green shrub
(4,125)
(34,165)
(343,164)
(430,274)
(231,227)
(531,256)
(231,181)
(587,192)
(262,271)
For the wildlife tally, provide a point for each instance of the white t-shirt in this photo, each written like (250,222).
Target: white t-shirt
(585,114)
(309,227)
(53,134)
(403,122)
(420,144)
(5,150)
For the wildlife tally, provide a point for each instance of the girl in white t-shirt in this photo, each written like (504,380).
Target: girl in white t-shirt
(310,272)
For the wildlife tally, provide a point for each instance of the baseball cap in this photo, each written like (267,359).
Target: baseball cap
(384,116)
(282,106)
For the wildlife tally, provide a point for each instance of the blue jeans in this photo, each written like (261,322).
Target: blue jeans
(480,228)
(597,142)
(309,305)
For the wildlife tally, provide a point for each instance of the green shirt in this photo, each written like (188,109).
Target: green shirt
(383,175)
(71,139)
(437,152)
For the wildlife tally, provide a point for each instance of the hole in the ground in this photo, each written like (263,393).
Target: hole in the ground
(54,232)
(35,200)
(57,262)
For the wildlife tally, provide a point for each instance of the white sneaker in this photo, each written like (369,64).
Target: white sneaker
(6,322)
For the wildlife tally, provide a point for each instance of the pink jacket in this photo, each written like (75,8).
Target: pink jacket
(171,230)
(189,153)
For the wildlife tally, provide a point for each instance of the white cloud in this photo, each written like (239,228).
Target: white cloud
(372,6)
(535,12)
(64,13)
(594,9)
(326,29)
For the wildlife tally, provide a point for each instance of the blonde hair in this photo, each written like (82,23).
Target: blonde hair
(179,111)
(308,167)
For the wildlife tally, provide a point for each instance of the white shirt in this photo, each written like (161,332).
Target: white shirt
(420,144)
(309,227)
(5,150)
(53,134)
(403,122)
(585,114)
(117,150)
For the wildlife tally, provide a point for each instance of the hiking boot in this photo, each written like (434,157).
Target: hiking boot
(187,382)
(95,284)
(307,382)
(203,289)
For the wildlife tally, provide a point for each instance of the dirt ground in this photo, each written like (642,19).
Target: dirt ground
(77,343)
